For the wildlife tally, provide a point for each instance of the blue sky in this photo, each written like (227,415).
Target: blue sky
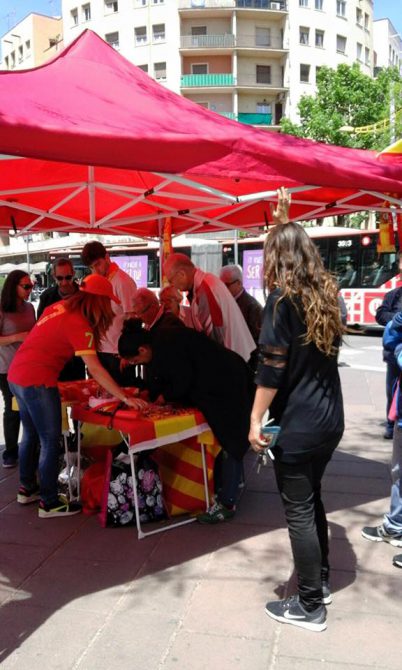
(391,9)
(12,11)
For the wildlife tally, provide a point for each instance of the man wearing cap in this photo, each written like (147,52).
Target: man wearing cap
(65,285)
(95,256)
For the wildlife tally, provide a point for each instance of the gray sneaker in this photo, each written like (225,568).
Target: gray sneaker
(397,561)
(292,611)
(379,534)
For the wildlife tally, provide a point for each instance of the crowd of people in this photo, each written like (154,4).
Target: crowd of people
(222,353)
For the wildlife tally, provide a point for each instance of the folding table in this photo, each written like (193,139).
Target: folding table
(145,432)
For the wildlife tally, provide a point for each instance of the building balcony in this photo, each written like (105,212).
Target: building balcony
(250,82)
(255,119)
(215,5)
(207,41)
(230,41)
(279,5)
(207,80)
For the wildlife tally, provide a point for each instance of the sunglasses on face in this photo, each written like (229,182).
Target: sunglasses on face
(66,277)
(26,287)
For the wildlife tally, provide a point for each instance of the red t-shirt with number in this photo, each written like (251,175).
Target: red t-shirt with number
(57,336)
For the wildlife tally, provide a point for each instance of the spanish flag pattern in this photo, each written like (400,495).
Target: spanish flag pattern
(180,469)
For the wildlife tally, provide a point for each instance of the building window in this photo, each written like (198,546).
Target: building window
(160,70)
(140,35)
(304,34)
(12,59)
(142,3)
(113,39)
(359,51)
(28,45)
(158,32)
(304,73)
(20,54)
(111,6)
(319,4)
(319,39)
(367,56)
(341,8)
(263,74)
(366,22)
(341,44)
(199,68)
(359,17)
(317,71)
(86,12)
(262,37)
(74,17)
(303,3)
(144,68)
(6,63)
(158,2)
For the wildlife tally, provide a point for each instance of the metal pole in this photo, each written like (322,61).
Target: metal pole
(236,247)
(28,258)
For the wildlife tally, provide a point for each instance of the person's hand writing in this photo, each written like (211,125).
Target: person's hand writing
(136,403)
(280,213)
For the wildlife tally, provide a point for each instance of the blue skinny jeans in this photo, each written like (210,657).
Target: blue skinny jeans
(40,412)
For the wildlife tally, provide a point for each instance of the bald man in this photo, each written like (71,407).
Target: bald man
(213,308)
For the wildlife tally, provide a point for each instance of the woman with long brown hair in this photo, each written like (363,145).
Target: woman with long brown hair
(70,327)
(17,317)
(298,382)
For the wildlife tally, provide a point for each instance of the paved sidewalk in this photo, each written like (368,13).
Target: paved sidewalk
(75,595)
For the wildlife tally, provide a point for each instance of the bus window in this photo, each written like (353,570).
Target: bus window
(323,247)
(344,260)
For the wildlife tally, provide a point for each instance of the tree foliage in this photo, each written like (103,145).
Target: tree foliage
(346,97)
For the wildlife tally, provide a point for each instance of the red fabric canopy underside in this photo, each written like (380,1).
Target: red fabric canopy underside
(91,107)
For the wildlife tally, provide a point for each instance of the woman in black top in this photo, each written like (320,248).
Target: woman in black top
(298,381)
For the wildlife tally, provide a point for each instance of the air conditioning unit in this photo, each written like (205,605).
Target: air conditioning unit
(275,5)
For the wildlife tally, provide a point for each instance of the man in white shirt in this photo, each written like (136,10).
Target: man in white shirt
(96,257)
(214,309)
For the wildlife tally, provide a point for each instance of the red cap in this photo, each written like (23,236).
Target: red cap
(98,285)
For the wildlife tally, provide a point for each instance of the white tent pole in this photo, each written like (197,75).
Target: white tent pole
(91,193)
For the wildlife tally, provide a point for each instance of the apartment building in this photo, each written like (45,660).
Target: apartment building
(31,42)
(247,59)
(388,45)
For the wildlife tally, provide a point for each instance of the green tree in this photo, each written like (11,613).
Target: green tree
(347,97)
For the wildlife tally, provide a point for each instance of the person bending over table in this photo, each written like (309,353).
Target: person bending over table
(71,327)
(185,366)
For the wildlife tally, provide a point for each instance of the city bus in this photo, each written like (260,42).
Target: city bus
(364,274)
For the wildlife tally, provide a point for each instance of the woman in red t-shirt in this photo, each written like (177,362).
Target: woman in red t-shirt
(71,327)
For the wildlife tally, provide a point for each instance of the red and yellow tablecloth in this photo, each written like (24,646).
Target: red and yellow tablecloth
(175,433)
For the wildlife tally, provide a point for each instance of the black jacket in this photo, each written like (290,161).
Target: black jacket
(189,368)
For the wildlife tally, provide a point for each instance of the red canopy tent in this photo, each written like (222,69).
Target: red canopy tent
(102,146)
